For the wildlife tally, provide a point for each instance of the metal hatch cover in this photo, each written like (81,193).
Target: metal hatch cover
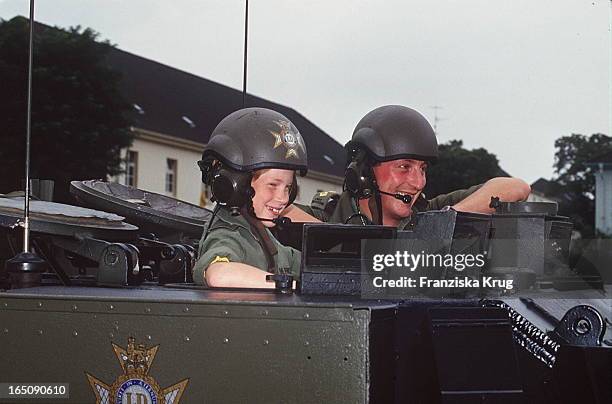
(65,220)
(148,210)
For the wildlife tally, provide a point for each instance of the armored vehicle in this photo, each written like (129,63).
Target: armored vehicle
(110,313)
(116,318)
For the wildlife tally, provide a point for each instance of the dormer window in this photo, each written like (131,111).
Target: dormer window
(188,121)
(139,109)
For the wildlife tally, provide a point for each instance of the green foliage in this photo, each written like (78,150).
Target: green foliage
(575,178)
(79,119)
(573,152)
(459,168)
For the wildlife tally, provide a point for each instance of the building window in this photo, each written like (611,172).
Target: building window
(171,177)
(131,168)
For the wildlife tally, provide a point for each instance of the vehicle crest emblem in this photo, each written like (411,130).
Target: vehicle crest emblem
(135,385)
(289,139)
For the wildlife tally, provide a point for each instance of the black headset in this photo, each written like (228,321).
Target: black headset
(232,188)
(359,177)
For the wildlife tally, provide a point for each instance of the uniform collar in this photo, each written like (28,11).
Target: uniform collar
(224,215)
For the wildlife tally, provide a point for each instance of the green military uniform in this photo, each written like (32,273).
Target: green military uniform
(231,237)
(347,206)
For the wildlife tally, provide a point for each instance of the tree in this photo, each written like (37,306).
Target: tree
(575,178)
(459,168)
(572,155)
(79,122)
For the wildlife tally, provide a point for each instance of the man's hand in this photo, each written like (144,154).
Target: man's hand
(507,189)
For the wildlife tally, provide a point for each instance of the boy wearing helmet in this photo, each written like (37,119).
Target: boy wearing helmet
(387,163)
(250,163)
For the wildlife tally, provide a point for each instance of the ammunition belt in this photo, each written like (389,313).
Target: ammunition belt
(528,335)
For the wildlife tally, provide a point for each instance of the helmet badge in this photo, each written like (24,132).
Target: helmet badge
(287,138)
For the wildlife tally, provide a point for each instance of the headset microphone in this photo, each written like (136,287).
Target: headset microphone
(402,197)
(279,221)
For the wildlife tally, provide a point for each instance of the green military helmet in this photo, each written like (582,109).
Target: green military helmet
(247,140)
(256,138)
(394,132)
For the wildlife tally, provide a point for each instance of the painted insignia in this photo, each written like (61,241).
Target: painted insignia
(287,138)
(135,385)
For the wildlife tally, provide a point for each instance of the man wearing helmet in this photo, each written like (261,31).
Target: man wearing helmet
(250,163)
(386,173)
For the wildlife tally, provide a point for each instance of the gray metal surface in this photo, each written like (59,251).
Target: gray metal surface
(65,220)
(557,303)
(150,211)
(50,209)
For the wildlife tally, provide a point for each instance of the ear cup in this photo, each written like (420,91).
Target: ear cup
(206,167)
(231,188)
(358,176)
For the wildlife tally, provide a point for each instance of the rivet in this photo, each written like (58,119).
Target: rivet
(75,333)
(349,345)
(306,343)
(74,308)
(225,312)
(186,309)
(111,307)
(148,310)
(39,305)
(266,342)
(186,339)
(264,313)
(111,335)
(225,340)
(6,330)
(306,315)
(5,304)
(149,338)
(39,332)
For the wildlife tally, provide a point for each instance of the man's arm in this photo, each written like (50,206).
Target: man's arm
(507,189)
(236,275)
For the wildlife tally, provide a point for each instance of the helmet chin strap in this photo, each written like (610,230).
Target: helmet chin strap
(375,205)
(266,242)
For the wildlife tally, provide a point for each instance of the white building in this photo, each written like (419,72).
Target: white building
(174,114)
(602,167)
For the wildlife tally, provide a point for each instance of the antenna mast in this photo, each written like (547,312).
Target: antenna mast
(244,67)
(436,118)
(26,268)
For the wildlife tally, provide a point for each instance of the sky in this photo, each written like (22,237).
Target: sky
(509,76)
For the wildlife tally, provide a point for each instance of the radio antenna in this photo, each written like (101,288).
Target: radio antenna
(25,268)
(244,59)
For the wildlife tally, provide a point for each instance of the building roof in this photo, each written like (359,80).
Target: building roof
(176,103)
(546,188)
(541,186)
